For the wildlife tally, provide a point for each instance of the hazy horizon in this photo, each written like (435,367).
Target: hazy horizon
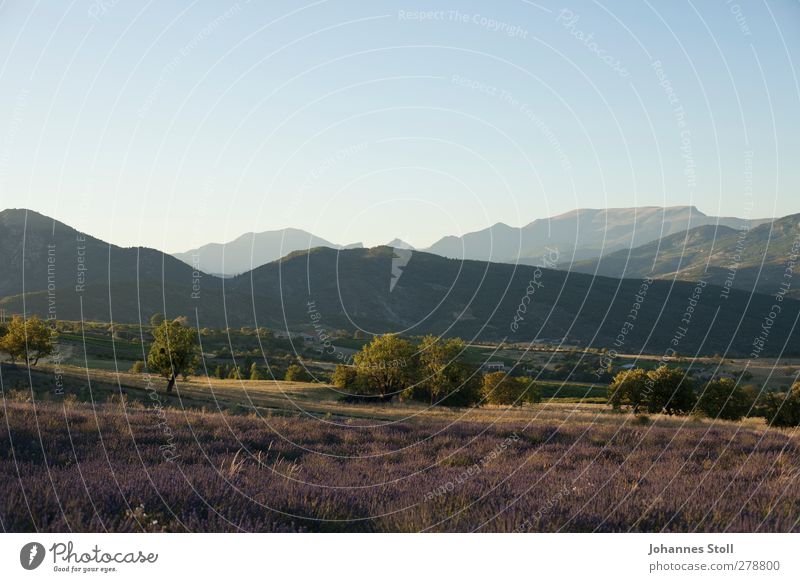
(365,243)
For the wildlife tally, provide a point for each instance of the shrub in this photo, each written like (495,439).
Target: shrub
(782,408)
(297,373)
(138,367)
(499,388)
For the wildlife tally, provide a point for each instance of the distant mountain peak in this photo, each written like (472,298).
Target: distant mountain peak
(399,244)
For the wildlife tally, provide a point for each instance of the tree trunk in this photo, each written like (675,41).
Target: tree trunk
(171,383)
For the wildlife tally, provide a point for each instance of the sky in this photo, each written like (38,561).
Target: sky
(174,124)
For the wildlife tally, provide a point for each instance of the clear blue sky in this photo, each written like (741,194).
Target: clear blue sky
(172,124)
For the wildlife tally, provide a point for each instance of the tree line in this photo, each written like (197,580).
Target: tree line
(432,371)
(670,390)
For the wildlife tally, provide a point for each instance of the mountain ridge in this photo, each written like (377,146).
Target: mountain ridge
(751,259)
(361,289)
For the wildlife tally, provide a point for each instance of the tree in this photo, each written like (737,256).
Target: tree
(138,367)
(722,398)
(387,363)
(346,378)
(670,391)
(297,373)
(173,351)
(255,373)
(436,358)
(500,388)
(628,387)
(443,378)
(27,339)
(782,408)
(466,383)
(220,372)
(156,319)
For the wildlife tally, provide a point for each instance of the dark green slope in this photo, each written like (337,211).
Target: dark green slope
(749,260)
(474,299)
(350,289)
(44,258)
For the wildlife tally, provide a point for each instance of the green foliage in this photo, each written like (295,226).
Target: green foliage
(27,339)
(440,372)
(347,379)
(297,373)
(220,372)
(255,372)
(671,391)
(664,389)
(628,388)
(387,363)
(722,398)
(138,367)
(782,408)
(174,351)
(500,388)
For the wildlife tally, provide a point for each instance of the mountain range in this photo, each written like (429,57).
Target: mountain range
(579,234)
(50,268)
(752,259)
(252,250)
(582,234)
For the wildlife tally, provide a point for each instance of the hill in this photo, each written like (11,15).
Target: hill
(480,300)
(50,268)
(749,259)
(353,289)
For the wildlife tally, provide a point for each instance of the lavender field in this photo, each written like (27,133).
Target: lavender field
(126,468)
